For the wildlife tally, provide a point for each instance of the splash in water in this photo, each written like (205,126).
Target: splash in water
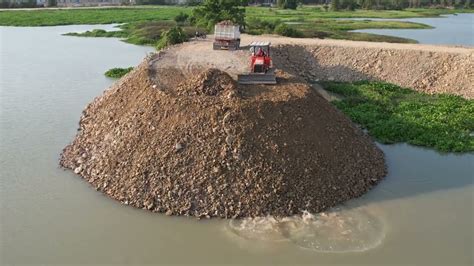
(337,230)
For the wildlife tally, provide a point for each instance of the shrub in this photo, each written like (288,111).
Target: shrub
(287,4)
(285,30)
(117,72)
(259,26)
(181,18)
(173,36)
(190,31)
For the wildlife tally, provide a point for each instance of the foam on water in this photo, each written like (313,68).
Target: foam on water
(340,229)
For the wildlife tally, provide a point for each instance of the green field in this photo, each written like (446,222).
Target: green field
(310,21)
(52,17)
(393,114)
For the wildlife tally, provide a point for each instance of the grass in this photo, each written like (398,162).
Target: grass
(143,25)
(139,33)
(99,33)
(341,29)
(53,17)
(393,114)
(76,16)
(315,12)
(117,72)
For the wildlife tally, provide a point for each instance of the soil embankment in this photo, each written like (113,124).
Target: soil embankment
(204,146)
(425,68)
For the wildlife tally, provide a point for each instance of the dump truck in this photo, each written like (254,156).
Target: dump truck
(226,36)
(261,68)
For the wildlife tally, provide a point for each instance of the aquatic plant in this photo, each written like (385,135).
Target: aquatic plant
(393,114)
(117,72)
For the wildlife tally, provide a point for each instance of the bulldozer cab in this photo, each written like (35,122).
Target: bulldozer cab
(260,49)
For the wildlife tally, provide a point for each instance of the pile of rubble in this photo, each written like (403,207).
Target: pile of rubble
(209,147)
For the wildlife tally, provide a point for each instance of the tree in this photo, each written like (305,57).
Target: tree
(335,5)
(347,4)
(181,18)
(172,36)
(368,4)
(211,12)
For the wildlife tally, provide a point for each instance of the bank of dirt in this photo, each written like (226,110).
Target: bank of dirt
(425,68)
(203,146)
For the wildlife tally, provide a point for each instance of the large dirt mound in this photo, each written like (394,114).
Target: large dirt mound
(210,82)
(210,147)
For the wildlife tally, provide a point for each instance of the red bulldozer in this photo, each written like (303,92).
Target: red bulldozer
(261,71)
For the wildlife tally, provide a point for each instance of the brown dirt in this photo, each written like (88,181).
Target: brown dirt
(205,146)
(425,68)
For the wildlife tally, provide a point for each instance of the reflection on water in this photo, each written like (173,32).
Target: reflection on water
(337,230)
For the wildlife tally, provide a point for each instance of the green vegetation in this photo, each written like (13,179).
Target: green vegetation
(99,33)
(141,33)
(71,16)
(156,13)
(393,114)
(211,11)
(117,72)
(287,4)
(331,28)
(144,25)
(285,30)
(309,13)
(173,36)
(181,18)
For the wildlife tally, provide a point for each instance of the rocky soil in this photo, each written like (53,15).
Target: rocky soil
(190,141)
(429,72)
(425,68)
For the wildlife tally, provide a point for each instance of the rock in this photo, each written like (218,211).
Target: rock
(178,147)
(209,189)
(149,204)
(231,94)
(229,139)
(78,169)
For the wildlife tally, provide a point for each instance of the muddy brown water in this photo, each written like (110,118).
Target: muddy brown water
(421,214)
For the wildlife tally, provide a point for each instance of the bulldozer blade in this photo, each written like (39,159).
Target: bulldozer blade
(268,78)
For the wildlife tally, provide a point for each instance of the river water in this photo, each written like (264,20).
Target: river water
(421,214)
(452,29)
